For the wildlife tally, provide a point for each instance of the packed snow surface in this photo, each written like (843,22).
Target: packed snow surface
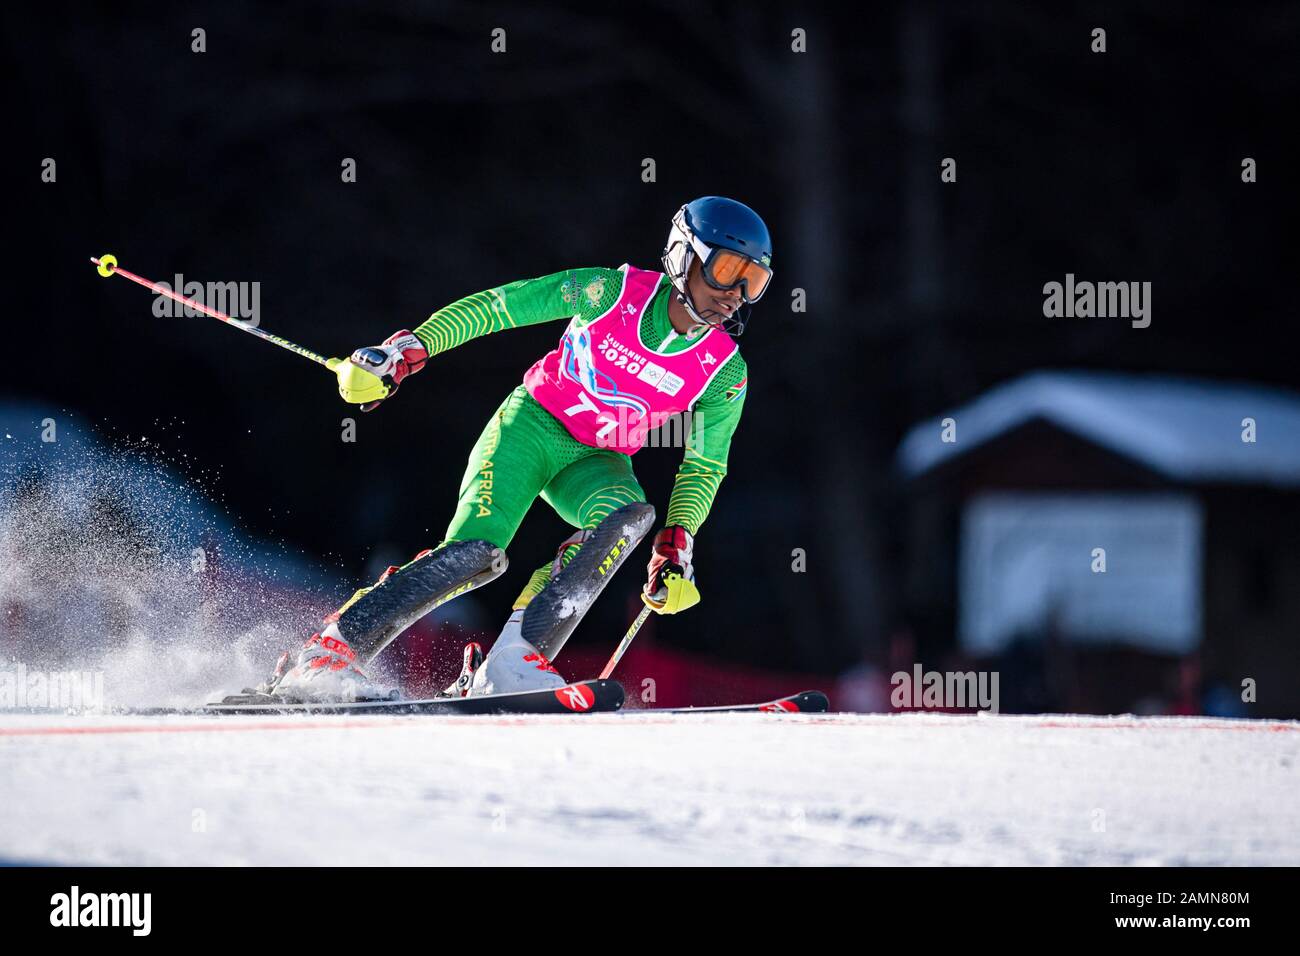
(645,789)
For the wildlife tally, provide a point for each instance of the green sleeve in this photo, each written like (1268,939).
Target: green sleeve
(586,293)
(704,464)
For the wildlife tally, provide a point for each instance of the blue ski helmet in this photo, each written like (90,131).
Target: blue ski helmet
(734,249)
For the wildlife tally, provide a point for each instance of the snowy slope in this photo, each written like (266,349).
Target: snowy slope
(636,788)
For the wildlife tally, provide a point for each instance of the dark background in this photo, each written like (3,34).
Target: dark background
(475,169)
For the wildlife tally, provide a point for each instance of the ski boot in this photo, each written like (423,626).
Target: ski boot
(513,664)
(325,669)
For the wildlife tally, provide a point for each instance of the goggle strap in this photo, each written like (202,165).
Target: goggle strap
(702,249)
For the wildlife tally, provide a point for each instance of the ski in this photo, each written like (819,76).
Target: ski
(805,702)
(592,696)
(584,697)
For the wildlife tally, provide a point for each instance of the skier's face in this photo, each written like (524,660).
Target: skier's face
(723,301)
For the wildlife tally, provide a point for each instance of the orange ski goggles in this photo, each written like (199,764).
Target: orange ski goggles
(726,269)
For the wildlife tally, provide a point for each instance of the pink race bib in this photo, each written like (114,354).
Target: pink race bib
(609,388)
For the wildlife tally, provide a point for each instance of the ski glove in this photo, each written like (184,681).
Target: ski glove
(671,584)
(371,375)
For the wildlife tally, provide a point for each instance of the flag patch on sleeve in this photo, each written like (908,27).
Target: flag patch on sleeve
(738,389)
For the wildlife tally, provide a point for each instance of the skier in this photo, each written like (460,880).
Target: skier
(640,346)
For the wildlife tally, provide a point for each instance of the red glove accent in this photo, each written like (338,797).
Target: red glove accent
(673,549)
(411,350)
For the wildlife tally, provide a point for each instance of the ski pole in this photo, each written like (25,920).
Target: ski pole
(107,266)
(625,643)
